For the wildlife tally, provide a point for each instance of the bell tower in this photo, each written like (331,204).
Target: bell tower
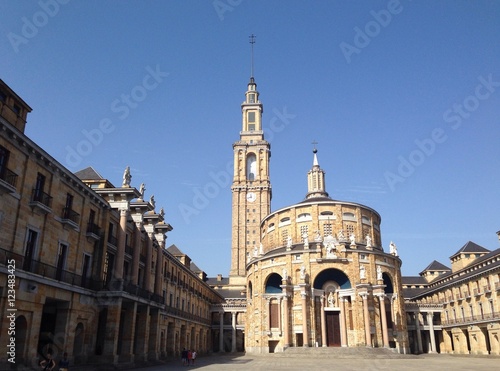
(251,187)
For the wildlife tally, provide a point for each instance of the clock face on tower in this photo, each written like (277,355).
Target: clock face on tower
(251,197)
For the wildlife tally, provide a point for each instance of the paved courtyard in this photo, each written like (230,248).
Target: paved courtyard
(273,362)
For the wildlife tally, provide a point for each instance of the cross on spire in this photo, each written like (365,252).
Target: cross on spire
(251,38)
(314,144)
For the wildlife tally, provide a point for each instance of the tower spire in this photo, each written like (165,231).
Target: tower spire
(251,38)
(316,178)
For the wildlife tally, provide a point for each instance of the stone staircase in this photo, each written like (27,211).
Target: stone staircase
(342,352)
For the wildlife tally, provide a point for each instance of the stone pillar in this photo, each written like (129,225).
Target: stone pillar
(142,333)
(233,328)
(129,330)
(268,304)
(112,331)
(221,330)
(430,317)
(154,334)
(286,335)
(383,316)
(343,324)
(323,322)
(137,254)
(305,334)
(159,266)
(419,334)
(366,315)
(120,249)
(149,259)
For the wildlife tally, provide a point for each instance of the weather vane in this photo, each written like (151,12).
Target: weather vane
(252,38)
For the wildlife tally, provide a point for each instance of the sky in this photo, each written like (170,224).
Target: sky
(403,98)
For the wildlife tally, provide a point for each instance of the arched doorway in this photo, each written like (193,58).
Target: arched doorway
(331,282)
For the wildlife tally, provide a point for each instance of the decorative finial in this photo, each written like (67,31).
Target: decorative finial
(252,38)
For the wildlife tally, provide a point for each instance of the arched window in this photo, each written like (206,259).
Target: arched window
(273,284)
(251,167)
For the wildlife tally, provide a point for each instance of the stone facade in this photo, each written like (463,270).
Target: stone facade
(456,310)
(88,264)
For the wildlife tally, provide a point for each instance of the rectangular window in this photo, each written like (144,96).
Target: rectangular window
(251,117)
(29,254)
(61,261)
(4,159)
(85,270)
(274,314)
(252,98)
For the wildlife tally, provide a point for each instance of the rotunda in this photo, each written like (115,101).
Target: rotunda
(321,278)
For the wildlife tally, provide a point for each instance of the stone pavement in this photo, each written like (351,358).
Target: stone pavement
(270,363)
(324,359)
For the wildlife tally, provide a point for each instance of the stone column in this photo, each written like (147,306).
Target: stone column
(142,333)
(112,332)
(137,254)
(154,334)
(221,330)
(149,259)
(305,334)
(233,328)
(383,316)
(286,335)
(430,317)
(323,322)
(268,304)
(159,266)
(120,249)
(129,330)
(366,315)
(343,324)
(419,334)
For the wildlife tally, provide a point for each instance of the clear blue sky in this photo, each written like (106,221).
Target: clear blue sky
(402,97)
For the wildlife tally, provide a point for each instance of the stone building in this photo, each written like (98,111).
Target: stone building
(456,310)
(314,273)
(83,264)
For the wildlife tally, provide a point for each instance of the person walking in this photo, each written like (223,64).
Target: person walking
(193,357)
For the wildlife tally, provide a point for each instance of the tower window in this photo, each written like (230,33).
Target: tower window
(251,167)
(251,116)
(251,98)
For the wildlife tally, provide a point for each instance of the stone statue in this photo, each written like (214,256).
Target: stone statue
(162,212)
(261,249)
(142,189)
(126,177)
(352,237)
(306,239)
(340,235)
(289,242)
(303,272)
(393,249)
(285,274)
(330,246)
(152,201)
(379,273)
(331,299)
(318,237)
(362,272)
(368,241)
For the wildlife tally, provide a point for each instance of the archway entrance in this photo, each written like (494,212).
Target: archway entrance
(332,328)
